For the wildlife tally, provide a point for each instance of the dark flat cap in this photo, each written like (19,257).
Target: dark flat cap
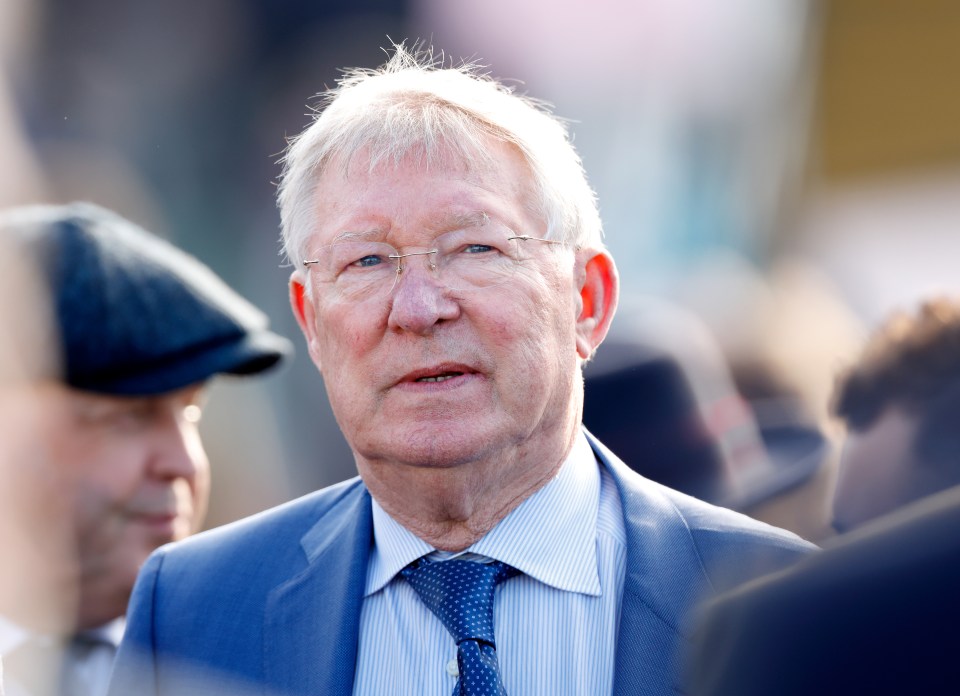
(136,315)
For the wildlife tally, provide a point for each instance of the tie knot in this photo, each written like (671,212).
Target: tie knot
(460,593)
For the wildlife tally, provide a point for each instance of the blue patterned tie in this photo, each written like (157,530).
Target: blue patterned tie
(460,593)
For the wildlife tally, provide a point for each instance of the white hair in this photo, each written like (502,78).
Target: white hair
(413,104)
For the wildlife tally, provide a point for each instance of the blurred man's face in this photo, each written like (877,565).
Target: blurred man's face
(879,472)
(38,580)
(432,376)
(138,478)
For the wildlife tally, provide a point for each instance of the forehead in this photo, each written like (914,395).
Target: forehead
(418,187)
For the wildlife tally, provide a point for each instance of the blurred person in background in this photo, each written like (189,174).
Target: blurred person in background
(876,612)
(33,574)
(450,281)
(114,466)
(783,333)
(661,396)
(900,402)
(21,178)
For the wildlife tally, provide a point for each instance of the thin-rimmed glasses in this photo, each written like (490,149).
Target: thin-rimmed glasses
(462,260)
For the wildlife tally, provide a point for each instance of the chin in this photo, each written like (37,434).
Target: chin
(444,447)
(433,437)
(183,529)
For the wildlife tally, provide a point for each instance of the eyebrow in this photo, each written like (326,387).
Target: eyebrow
(348,235)
(456,221)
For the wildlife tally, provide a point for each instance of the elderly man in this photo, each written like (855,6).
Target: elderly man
(115,466)
(450,282)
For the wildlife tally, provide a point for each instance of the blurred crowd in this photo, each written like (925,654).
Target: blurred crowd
(788,344)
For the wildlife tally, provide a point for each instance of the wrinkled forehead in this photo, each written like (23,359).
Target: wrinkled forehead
(368,186)
(496,165)
(490,155)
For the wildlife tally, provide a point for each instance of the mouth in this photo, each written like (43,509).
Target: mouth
(156,514)
(436,374)
(439,378)
(161,526)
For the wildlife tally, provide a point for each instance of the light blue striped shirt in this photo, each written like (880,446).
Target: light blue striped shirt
(556,624)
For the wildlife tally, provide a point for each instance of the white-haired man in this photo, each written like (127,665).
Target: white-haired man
(450,282)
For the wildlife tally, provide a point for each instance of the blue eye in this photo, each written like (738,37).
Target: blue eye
(477,248)
(368,261)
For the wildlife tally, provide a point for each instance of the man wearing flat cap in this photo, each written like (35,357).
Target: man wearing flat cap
(116,451)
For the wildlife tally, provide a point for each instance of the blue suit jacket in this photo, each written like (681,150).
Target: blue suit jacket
(271,604)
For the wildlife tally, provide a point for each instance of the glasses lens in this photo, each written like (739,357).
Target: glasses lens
(356,270)
(468,259)
(478,257)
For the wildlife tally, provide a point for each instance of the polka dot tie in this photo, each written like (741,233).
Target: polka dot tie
(460,593)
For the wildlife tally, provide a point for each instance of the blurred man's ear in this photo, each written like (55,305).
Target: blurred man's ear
(303,310)
(599,292)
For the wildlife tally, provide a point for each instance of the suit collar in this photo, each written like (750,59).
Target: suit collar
(663,578)
(312,621)
(323,601)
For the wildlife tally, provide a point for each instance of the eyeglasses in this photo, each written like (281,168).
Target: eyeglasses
(470,259)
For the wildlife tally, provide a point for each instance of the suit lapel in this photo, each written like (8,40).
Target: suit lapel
(311,627)
(312,621)
(663,577)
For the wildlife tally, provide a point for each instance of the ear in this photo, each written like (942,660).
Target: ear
(599,292)
(306,316)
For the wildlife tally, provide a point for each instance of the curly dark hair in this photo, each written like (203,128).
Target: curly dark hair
(913,361)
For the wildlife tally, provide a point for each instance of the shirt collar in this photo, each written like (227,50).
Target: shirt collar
(110,633)
(566,558)
(12,636)
(394,548)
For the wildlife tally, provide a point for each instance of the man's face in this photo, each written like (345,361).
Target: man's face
(138,478)
(506,356)
(879,472)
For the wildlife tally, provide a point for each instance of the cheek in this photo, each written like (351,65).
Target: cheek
(346,334)
(535,342)
(348,361)
(551,323)
(95,507)
(103,487)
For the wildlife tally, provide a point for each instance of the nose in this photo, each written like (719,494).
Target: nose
(420,301)
(178,452)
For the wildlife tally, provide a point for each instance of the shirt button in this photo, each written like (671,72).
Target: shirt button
(452,668)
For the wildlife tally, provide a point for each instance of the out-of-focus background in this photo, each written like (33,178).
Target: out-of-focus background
(774,176)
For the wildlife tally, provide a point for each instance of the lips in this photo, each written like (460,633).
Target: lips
(440,378)
(437,373)
(155,514)
(167,508)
